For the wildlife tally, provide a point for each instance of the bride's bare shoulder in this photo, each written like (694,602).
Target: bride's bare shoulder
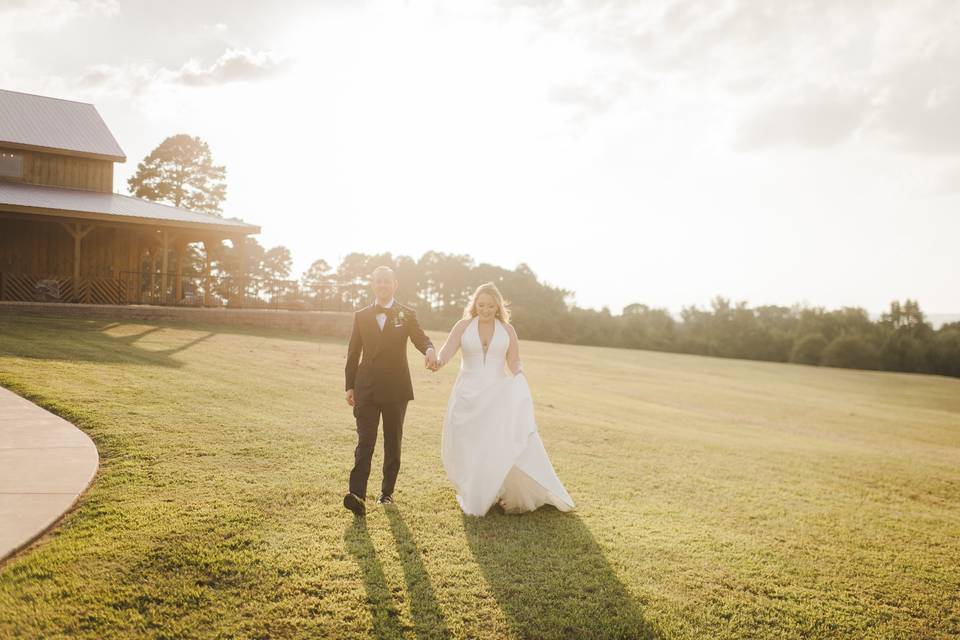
(510,329)
(461,325)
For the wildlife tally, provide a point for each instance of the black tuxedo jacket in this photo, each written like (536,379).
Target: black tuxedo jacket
(383,375)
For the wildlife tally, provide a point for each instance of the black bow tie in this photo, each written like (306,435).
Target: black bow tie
(379,309)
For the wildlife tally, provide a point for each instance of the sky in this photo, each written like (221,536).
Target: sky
(653,152)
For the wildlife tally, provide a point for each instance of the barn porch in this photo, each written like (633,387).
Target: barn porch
(71,245)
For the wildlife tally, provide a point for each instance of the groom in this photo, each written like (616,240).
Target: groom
(380,384)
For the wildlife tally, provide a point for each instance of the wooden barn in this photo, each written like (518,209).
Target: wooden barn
(65,236)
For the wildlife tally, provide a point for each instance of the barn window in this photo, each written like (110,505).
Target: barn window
(11,164)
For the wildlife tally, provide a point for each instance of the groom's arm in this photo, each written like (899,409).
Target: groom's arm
(417,336)
(353,353)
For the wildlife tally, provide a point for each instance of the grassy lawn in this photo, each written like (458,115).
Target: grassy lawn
(715,499)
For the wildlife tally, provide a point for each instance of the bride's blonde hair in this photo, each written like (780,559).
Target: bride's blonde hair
(503,313)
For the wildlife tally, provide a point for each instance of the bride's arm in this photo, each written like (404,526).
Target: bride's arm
(452,343)
(513,351)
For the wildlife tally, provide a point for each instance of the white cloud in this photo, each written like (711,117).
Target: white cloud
(810,74)
(920,101)
(235,65)
(812,117)
(22,21)
(26,16)
(125,79)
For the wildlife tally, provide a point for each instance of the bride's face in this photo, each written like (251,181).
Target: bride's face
(486,306)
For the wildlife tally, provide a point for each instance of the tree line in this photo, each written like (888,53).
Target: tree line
(181,171)
(439,286)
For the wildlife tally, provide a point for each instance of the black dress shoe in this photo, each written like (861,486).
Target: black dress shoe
(385,499)
(355,503)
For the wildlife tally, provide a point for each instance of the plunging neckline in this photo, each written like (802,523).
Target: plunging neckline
(480,337)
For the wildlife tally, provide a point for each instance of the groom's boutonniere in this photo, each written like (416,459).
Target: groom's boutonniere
(400,319)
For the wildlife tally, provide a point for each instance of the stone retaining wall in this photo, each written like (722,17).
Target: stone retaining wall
(318,323)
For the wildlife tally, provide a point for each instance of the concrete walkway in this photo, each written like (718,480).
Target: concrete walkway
(45,464)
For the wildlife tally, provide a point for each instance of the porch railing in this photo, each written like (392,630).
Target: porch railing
(33,288)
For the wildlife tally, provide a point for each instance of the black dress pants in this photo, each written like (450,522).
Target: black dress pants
(368,419)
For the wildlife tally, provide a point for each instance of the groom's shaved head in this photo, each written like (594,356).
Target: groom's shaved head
(383,270)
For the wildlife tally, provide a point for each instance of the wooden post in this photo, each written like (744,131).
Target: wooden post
(207,286)
(153,274)
(164,265)
(241,245)
(135,271)
(181,250)
(79,232)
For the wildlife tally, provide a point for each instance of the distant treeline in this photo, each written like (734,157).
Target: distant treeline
(439,285)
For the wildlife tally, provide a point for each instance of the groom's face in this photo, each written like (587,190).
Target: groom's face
(384,285)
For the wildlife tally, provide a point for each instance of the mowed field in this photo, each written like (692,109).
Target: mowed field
(715,498)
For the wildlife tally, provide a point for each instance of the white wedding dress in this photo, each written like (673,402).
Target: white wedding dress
(490,446)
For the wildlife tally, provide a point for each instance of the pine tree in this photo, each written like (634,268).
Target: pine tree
(180,171)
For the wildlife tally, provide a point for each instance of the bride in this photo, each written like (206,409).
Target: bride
(490,446)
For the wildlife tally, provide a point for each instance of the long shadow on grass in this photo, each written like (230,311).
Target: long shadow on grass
(44,338)
(80,340)
(383,611)
(551,579)
(428,621)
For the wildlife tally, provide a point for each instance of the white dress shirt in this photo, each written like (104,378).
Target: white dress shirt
(382,317)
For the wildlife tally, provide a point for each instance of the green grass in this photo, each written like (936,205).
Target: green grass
(715,499)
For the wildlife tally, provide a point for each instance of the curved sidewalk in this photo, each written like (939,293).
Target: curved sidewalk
(46,463)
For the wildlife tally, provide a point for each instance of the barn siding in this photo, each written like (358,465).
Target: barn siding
(65,171)
(45,248)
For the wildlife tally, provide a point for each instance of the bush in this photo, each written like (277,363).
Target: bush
(808,349)
(945,352)
(903,352)
(850,352)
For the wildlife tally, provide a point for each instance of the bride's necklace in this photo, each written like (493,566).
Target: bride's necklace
(484,342)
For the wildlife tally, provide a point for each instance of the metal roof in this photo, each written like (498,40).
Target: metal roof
(56,125)
(31,198)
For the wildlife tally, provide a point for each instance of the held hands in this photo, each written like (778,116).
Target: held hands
(430,361)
